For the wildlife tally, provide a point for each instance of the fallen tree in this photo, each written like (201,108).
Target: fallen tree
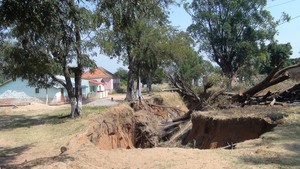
(196,101)
(276,76)
(203,100)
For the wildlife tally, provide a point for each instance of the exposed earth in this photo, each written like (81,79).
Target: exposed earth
(33,136)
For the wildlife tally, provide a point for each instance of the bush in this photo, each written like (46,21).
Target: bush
(120,90)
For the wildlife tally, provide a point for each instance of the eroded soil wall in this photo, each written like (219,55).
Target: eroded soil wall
(208,132)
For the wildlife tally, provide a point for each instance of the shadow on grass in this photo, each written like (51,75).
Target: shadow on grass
(42,162)
(285,137)
(285,161)
(7,155)
(18,121)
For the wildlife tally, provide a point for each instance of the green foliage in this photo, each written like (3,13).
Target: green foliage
(275,54)
(3,76)
(159,76)
(123,75)
(47,39)
(128,23)
(293,61)
(119,90)
(230,32)
(183,60)
(151,53)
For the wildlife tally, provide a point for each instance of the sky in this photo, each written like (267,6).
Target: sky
(287,32)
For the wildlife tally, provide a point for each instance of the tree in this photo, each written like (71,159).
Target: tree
(122,74)
(151,53)
(48,41)
(127,21)
(230,32)
(183,60)
(292,61)
(3,77)
(275,54)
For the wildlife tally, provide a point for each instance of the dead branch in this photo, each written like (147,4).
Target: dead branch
(286,69)
(169,128)
(185,117)
(248,97)
(214,96)
(184,88)
(276,76)
(259,87)
(229,146)
(162,106)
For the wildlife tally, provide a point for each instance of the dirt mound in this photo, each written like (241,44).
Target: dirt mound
(135,126)
(208,132)
(113,130)
(152,123)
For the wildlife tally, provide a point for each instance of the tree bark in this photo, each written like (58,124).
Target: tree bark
(259,87)
(130,78)
(47,96)
(138,84)
(276,76)
(78,94)
(79,69)
(149,82)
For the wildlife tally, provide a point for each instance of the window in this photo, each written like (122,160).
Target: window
(37,90)
(93,89)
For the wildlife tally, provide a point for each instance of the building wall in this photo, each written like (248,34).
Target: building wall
(85,91)
(108,85)
(19,89)
(116,83)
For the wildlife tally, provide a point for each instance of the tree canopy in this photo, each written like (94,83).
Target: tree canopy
(230,32)
(47,38)
(275,54)
(127,23)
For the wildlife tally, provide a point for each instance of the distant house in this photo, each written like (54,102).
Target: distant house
(103,76)
(19,89)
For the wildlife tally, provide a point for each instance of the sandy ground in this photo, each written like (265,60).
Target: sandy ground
(143,158)
(276,150)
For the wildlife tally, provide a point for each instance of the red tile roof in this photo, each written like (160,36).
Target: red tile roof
(96,82)
(99,72)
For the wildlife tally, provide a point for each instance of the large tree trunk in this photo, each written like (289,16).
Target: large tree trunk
(149,82)
(78,93)
(230,77)
(78,70)
(47,96)
(138,84)
(130,78)
(276,76)
(130,84)
(73,106)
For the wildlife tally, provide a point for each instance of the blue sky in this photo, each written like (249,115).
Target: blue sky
(287,32)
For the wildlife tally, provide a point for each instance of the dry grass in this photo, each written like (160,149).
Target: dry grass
(277,149)
(173,99)
(28,135)
(39,132)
